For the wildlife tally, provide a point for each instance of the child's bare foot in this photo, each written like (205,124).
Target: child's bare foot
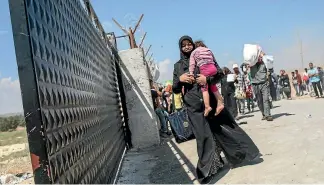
(219,109)
(207,111)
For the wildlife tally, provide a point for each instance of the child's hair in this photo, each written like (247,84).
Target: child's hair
(200,43)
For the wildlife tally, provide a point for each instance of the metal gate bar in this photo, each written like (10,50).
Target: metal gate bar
(70,92)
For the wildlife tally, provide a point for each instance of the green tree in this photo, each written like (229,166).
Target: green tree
(11,123)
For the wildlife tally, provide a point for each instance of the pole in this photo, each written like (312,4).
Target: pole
(150,57)
(142,40)
(147,51)
(131,33)
(138,23)
(132,39)
(301,50)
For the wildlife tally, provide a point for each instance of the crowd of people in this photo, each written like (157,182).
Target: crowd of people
(214,97)
(239,96)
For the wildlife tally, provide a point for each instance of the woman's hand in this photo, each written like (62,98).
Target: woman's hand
(201,79)
(187,78)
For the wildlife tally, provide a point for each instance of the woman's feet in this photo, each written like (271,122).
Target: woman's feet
(207,111)
(207,180)
(210,178)
(219,109)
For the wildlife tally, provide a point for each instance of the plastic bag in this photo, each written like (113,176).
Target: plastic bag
(268,61)
(230,77)
(251,54)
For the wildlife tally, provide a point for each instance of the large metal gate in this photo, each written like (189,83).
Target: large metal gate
(70,91)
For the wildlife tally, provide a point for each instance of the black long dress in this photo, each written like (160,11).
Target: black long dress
(228,92)
(213,133)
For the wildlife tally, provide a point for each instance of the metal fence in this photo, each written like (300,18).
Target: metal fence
(71,94)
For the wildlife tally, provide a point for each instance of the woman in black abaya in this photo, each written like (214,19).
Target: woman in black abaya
(213,133)
(228,91)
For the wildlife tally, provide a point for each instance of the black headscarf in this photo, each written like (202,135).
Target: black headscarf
(184,55)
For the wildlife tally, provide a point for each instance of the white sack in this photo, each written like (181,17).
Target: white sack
(268,61)
(251,54)
(230,77)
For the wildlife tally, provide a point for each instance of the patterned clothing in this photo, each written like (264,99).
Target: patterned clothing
(241,86)
(200,56)
(241,82)
(247,80)
(217,163)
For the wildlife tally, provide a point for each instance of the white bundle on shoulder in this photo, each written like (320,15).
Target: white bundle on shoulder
(268,61)
(251,53)
(230,77)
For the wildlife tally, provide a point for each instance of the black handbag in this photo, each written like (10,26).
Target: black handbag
(181,129)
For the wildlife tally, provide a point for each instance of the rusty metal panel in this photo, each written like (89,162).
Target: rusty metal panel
(70,92)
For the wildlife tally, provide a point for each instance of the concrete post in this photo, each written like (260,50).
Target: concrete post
(141,116)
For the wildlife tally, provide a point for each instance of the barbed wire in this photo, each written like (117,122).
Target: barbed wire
(130,21)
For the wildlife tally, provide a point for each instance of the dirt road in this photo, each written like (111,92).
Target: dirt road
(292,148)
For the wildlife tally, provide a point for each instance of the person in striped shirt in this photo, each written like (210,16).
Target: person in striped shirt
(203,58)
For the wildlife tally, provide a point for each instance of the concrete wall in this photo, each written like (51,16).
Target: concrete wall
(141,116)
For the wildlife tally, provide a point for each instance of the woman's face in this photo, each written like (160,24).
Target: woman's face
(186,46)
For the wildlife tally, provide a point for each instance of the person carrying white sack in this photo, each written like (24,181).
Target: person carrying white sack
(258,62)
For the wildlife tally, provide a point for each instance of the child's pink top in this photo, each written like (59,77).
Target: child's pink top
(200,56)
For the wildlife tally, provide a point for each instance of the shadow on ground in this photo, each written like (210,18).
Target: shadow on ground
(250,113)
(275,116)
(245,116)
(164,164)
(256,161)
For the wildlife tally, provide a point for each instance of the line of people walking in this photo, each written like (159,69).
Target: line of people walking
(241,92)
(207,100)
